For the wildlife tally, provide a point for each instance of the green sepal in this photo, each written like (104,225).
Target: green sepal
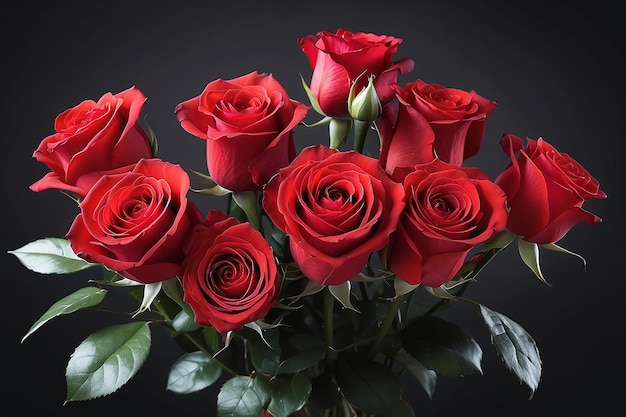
(208,186)
(106,360)
(83,298)
(150,291)
(312,99)
(529,252)
(342,294)
(152,139)
(556,248)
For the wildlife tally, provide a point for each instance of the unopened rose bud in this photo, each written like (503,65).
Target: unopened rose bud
(366,105)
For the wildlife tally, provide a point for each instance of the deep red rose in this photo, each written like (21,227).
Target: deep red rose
(546,190)
(456,117)
(342,58)
(336,207)
(91,137)
(449,210)
(248,124)
(230,276)
(137,222)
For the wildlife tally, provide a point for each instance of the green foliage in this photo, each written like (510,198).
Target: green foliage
(78,300)
(243,396)
(442,346)
(193,372)
(50,255)
(367,385)
(106,360)
(515,346)
(289,394)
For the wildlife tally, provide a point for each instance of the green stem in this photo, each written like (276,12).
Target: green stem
(329,304)
(389,319)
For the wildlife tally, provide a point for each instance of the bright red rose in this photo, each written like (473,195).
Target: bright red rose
(137,222)
(546,190)
(457,119)
(91,137)
(248,124)
(339,59)
(406,140)
(336,207)
(230,276)
(449,210)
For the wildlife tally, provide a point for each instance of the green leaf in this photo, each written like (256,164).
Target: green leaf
(50,255)
(442,346)
(530,255)
(106,360)
(266,357)
(427,378)
(183,322)
(309,350)
(82,298)
(174,290)
(367,385)
(289,396)
(193,372)
(243,396)
(515,346)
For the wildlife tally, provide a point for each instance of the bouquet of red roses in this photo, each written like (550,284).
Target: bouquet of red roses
(318,284)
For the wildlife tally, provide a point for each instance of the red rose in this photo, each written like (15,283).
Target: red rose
(457,119)
(336,207)
(342,58)
(247,123)
(546,190)
(449,210)
(406,140)
(137,222)
(93,137)
(230,277)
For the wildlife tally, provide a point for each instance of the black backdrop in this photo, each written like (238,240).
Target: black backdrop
(552,68)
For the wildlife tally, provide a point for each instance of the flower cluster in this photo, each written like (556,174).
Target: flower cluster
(300,296)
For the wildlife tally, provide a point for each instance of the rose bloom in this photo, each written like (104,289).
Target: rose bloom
(342,58)
(91,137)
(449,210)
(546,190)
(457,119)
(136,221)
(248,124)
(336,207)
(230,276)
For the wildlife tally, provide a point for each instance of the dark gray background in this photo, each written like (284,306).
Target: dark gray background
(554,70)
